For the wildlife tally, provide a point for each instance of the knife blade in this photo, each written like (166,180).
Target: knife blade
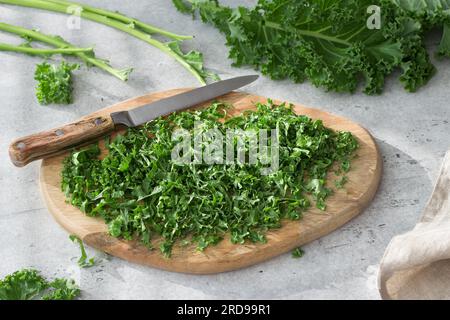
(144,114)
(53,142)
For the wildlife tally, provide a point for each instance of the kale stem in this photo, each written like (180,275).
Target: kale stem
(42,51)
(61,43)
(308,33)
(356,33)
(120,17)
(128,28)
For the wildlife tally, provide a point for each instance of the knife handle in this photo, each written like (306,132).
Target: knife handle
(49,143)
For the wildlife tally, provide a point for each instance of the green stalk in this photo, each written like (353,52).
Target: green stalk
(61,43)
(127,28)
(120,17)
(42,51)
(308,33)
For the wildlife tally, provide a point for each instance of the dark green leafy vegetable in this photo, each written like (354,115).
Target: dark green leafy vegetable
(329,42)
(28,284)
(431,14)
(54,83)
(297,253)
(83,261)
(139,191)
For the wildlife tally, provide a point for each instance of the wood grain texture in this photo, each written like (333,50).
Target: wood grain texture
(58,140)
(345,204)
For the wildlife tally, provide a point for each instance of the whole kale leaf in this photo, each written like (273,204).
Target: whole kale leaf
(328,42)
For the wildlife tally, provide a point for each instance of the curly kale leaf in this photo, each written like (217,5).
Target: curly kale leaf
(62,289)
(54,83)
(25,284)
(326,42)
(431,14)
(28,284)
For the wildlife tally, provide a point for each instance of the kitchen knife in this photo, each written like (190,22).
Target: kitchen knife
(49,143)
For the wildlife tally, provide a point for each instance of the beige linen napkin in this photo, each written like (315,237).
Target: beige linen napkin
(416,265)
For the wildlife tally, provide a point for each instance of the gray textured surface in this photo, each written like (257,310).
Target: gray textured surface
(412,131)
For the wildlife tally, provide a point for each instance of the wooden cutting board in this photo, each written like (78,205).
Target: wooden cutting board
(341,207)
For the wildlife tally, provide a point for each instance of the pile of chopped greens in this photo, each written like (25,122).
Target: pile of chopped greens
(139,191)
(329,42)
(28,284)
(54,83)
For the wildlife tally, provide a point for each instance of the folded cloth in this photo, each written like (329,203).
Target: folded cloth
(416,265)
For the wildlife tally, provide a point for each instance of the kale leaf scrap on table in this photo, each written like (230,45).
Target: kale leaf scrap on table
(29,284)
(140,192)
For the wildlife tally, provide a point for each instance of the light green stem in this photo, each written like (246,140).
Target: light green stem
(42,51)
(120,17)
(60,43)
